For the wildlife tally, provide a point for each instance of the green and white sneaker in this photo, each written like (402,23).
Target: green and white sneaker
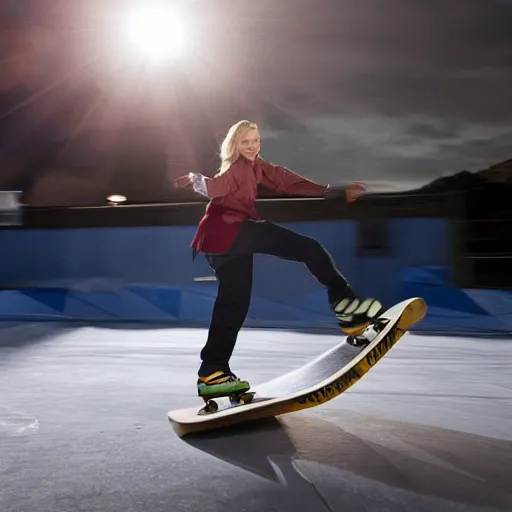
(221,384)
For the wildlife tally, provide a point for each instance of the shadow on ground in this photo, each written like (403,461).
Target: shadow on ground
(19,334)
(426,461)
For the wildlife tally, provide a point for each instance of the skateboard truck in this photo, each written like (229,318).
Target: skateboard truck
(236,399)
(369,334)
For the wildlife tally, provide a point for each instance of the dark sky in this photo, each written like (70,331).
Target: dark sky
(394,93)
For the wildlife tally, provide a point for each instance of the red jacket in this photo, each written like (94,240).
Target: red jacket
(233,198)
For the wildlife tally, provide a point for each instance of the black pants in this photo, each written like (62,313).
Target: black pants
(234,273)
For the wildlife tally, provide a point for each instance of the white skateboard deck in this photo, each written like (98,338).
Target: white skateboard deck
(313,384)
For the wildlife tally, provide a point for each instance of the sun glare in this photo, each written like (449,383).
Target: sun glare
(156,32)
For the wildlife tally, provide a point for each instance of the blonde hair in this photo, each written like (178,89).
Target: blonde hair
(229,147)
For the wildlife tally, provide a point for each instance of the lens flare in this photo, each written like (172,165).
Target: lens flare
(156,32)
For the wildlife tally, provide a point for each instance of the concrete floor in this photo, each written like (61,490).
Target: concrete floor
(83,427)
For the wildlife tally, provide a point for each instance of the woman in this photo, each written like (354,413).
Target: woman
(231,232)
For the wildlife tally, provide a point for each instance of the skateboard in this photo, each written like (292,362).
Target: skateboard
(313,384)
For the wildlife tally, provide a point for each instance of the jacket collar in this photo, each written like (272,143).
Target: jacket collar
(242,158)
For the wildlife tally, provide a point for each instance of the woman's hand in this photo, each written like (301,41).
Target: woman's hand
(182,181)
(354,191)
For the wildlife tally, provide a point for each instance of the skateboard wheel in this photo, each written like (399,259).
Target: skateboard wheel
(241,398)
(210,407)
(247,397)
(379,324)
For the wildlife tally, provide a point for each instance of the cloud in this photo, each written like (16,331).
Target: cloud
(396,95)
(395,154)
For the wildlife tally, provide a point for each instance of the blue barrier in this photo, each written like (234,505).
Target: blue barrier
(147,274)
(454,309)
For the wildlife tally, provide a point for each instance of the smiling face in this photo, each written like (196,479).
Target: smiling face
(249,144)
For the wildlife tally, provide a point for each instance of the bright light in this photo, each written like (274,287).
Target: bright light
(116,199)
(156,32)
